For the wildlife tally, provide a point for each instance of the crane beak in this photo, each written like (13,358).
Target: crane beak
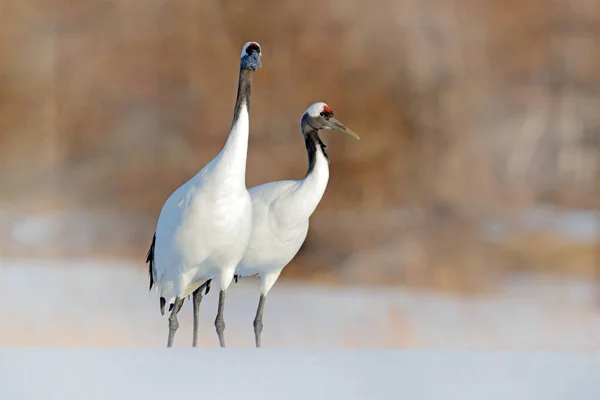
(338,126)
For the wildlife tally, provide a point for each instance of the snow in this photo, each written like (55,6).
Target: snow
(107,304)
(296,374)
(322,342)
(575,225)
(75,233)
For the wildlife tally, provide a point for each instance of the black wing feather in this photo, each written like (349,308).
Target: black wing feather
(150,260)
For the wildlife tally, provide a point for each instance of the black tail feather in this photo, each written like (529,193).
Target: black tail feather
(162,305)
(150,261)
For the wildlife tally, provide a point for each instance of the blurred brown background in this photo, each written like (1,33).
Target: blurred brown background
(480,127)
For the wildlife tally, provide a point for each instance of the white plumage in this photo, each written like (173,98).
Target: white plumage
(281,210)
(204,226)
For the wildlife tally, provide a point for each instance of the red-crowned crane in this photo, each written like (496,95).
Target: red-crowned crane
(204,227)
(281,210)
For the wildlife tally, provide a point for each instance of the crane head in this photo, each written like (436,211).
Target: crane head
(251,56)
(320,116)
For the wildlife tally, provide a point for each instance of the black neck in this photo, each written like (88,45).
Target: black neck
(313,143)
(243,94)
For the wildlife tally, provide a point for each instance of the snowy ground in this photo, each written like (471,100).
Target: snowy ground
(96,304)
(296,374)
(107,305)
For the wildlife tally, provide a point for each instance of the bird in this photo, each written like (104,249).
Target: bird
(204,226)
(281,210)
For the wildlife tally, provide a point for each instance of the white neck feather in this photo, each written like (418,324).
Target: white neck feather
(231,162)
(304,199)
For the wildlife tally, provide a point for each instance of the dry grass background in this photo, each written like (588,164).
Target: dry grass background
(469,111)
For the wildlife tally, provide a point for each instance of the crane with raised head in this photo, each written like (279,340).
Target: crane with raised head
(204,227)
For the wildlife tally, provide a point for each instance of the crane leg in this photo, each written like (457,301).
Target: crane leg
(173,323)
(197,296)
(219,323)
(258,324)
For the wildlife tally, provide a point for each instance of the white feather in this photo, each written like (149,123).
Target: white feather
(315,109)
(281,212)
(204,226)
